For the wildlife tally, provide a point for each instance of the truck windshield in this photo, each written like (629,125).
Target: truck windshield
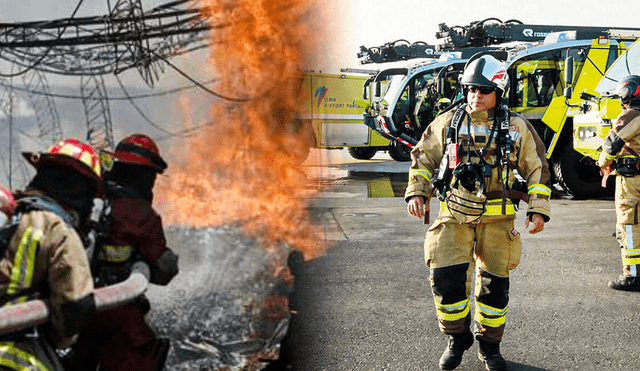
(418,91)
(627,64)
(393,87)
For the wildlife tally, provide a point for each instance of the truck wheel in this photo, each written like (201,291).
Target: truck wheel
(399,152)
(362,153)
(578,174)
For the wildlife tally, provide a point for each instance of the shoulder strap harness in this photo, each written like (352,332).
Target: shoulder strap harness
(7,231)
(499,131)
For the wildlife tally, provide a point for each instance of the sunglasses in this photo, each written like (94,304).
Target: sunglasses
(482,89)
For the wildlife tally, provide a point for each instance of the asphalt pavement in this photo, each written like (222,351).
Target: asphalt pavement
(366,304)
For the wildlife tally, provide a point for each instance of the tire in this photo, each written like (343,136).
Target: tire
(578,174)
(362,153)
(399,152)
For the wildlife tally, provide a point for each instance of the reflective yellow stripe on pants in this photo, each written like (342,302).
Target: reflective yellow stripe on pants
(630,257)
(630,254)
(18,359)
(489,316)
(452,312)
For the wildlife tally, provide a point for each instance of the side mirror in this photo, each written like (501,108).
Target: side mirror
(378,89)
(568,77)
(365,90)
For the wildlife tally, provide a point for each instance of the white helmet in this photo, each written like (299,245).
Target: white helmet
(486,71)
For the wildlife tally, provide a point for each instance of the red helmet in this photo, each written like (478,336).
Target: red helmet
(139,149)
(7,202)
(70,153)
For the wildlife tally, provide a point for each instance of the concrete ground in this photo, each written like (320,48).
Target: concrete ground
(366,304)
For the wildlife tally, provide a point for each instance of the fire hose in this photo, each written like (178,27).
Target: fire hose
(21,316)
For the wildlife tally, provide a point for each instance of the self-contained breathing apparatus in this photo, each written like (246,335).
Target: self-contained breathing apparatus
(628,166)
(106,274)
(465,195)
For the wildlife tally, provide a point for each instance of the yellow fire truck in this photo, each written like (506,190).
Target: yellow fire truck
(600,106)
(535,90)
(332,104)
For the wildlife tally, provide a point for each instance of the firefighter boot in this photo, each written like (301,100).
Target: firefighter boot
(625,283)
(452,356)
(489,354)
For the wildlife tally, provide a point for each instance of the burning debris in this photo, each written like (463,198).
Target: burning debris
(228,308)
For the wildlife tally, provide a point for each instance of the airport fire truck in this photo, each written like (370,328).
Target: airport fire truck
(535,58)
(332,105)
(597,112)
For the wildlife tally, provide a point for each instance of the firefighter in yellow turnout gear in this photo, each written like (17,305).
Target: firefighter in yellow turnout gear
(620,154)
(45,256)
(476,148)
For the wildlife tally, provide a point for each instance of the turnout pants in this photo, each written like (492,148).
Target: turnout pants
(627,227)
(118,339)
(451,251)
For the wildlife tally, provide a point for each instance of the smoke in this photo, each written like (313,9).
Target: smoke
(244,169)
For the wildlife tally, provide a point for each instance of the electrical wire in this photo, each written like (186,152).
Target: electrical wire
(186,132)
(142,114)
(120,98)
(44,55)
(197,83)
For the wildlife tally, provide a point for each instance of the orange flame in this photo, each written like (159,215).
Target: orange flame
(244,169)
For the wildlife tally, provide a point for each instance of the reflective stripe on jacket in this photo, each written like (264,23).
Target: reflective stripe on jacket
(527,157)
(15,358)
(46,256)
(22,273)
(116,254)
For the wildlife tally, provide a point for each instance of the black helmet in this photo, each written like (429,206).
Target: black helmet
(487,71)
(628,89)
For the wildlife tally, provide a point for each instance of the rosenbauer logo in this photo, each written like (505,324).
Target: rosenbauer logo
(320,93)
(529,33)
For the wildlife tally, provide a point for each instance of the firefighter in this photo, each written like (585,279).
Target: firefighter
(45,257)
(120,339)
(620,154)
(476,147)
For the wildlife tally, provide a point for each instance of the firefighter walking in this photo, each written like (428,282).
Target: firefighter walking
(45,257)
(477,147)
(620,155)
(120,339)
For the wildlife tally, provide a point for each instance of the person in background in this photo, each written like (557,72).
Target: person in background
(131,230)
(620,155)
